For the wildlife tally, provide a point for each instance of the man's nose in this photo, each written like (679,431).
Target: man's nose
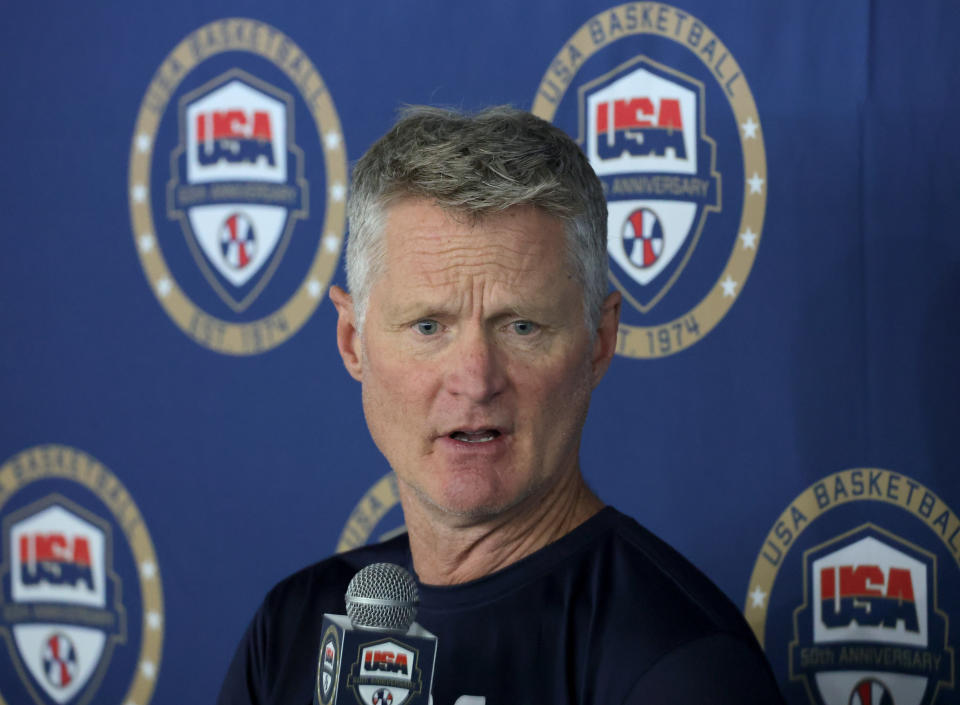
(475,367)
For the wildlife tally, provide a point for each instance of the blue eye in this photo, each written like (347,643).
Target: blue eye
(524,327)
(427,327)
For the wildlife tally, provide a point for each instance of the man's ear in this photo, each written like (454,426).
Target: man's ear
(605,344)
(348,337)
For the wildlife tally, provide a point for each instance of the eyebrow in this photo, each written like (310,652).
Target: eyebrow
(402,314)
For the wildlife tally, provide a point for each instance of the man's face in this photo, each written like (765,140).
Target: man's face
(475,359)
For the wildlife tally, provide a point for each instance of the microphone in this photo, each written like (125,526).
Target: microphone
(376,654)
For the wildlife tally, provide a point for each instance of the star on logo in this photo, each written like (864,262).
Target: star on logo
(332,140)
(149,669)
(337,192)
(139,193)
(331,242)
(758,597)
(756,183)
(163,288)
(148,569)
(153,620)
(314,288)
(146,242)
(749,239)
(143,142)
(749,129)
(729,287)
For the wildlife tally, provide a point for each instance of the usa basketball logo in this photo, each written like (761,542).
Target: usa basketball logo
(328,667)
(77,568)
(870,608)
(238,186)
(387,672)
(665,131)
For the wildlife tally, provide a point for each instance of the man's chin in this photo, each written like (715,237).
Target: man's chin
(469,504)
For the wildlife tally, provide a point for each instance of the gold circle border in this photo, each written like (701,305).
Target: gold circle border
(64,462)
(672,23)
(891,488)
(371,508)
(238,34)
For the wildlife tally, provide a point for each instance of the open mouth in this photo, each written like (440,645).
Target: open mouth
(484,436)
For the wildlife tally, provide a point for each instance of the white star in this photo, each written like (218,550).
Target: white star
(139,193)
(332,139)
(149,669)
(314,288)
(148,569)
(146,242)
(163,288)
(758,597)
(143,142)
(130,702)
(337,192)
(729,286)
(749,129)
(154,620)
(756,183)
(749,239)
(331,242)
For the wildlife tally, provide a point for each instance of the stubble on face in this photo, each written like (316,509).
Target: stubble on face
(480,415)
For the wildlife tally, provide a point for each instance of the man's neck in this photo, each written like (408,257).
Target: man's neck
(448,550)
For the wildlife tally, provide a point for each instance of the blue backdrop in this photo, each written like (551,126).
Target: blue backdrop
(178,433)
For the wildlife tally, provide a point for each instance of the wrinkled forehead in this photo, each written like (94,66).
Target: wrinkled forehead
(421,230)
(524,222)
(512,256)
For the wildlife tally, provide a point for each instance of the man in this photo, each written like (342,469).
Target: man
(478,323)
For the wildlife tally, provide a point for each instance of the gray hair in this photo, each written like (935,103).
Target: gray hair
(477,165)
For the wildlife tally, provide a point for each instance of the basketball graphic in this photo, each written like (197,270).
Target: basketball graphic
(382,697)
(870,691)
(238,241)
(59,660)
(642,237)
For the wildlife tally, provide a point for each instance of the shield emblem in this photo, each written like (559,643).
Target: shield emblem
(387,673)
(869,631)
(328,666)
(60,599)
(237,183)
(642,128)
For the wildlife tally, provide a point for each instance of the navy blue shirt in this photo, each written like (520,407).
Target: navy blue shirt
(608,614)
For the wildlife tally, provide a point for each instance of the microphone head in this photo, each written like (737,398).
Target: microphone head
(382,596)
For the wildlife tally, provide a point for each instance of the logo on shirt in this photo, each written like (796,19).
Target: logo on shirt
(70,613)
(869,607)
(387,672)
(664,131)
(238,186)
